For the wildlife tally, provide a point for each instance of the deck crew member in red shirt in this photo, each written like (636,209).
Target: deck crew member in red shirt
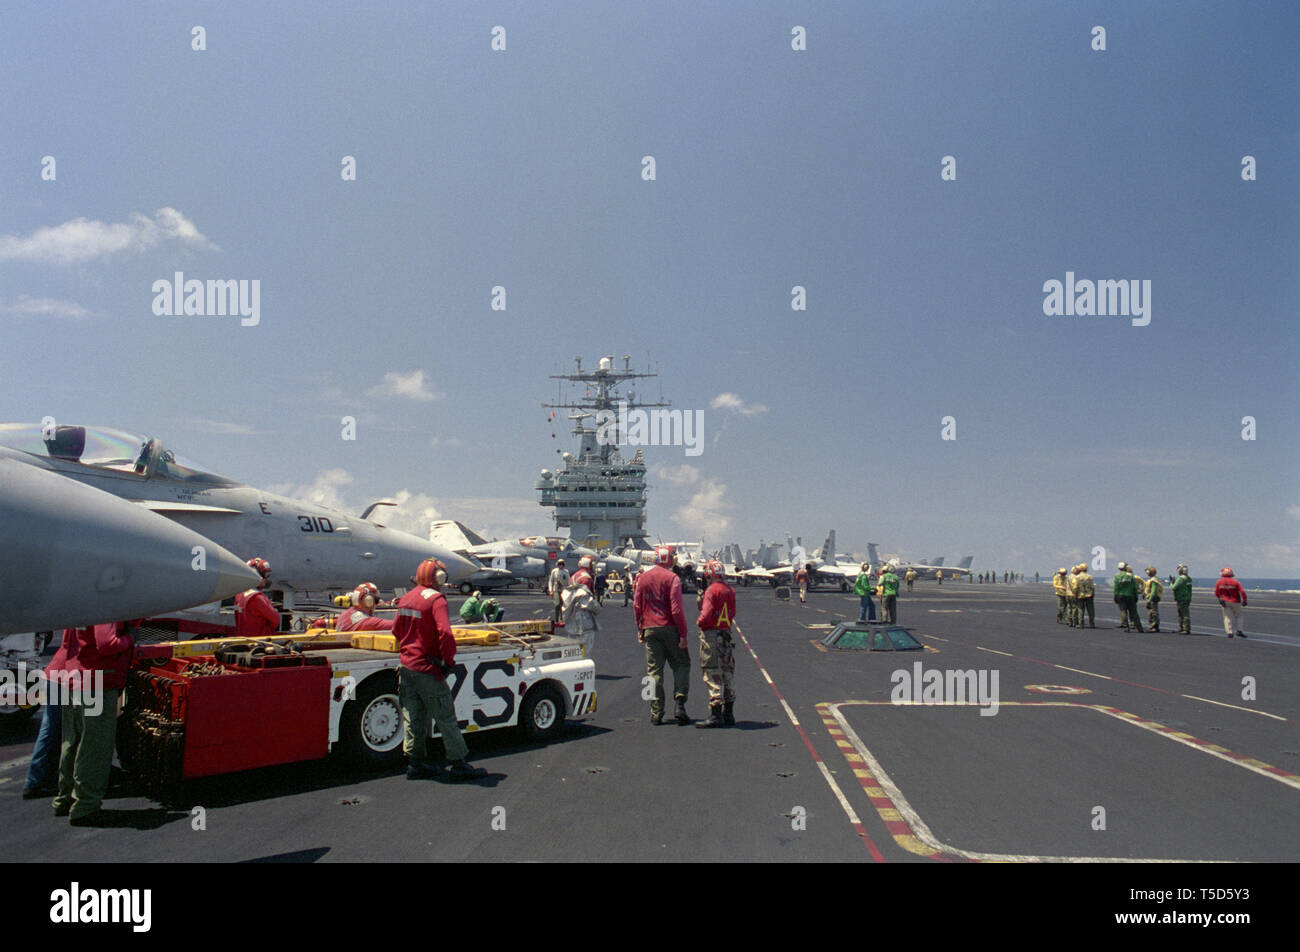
(428,654)
(661,627)
(801,580)
(361,616)
(584,574)
(1232,596)
(717,659)
(255,616)
(98,658)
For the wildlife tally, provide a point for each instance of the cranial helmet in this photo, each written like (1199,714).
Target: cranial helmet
(432,573)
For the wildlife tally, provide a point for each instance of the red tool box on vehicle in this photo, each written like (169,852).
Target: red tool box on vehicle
(246,717)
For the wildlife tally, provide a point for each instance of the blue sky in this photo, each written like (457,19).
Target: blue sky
(774,168)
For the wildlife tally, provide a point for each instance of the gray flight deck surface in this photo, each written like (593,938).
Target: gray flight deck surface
(1025,782)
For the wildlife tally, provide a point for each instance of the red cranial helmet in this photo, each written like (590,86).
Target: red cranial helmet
(432,573)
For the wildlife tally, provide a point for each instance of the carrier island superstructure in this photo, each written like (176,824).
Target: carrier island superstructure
(598,495)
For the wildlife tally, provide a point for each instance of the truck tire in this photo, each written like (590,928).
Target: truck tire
(370,728)
(542,713)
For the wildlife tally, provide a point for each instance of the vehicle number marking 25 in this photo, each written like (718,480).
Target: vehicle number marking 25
(484,693)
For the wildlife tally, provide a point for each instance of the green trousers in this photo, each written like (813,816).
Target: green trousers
(661,645)
(86,759)
(425,698)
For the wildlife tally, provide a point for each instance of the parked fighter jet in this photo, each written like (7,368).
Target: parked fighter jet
(823,566)
(311,548)
(73,555)
(499,563)
(922,569)
(505,562)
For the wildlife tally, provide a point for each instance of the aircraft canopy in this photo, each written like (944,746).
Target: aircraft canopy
(104,447)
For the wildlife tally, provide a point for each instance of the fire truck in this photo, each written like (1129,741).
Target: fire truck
(201,708)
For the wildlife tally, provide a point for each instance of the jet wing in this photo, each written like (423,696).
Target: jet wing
(838,571)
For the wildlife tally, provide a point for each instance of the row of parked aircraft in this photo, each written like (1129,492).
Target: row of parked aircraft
(826,565)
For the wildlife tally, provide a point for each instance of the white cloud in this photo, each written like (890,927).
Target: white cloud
(46,307)
(325,491)
(1293,512)
(410,386)
(500,517)
(732,403)
(447,441)
(413,513)
(491,517)
(683,475)
(83,239)
(706,514)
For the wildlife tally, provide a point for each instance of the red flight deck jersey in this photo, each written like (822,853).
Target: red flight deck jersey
(658,600)
(719,607)
(255,616)
(1229,590)
(423,631)
(354,619)
(104,648)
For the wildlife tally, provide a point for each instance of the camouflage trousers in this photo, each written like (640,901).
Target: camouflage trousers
(718,663)
(1086,607)
(1072,611)
(1061,607)
(1153,614)
(1184,618)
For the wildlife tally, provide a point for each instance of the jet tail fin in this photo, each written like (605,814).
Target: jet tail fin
(453,535)
(828,548)
(965,563)
(872,555)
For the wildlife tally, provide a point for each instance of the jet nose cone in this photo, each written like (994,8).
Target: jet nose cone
(458,567)
(230,575)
